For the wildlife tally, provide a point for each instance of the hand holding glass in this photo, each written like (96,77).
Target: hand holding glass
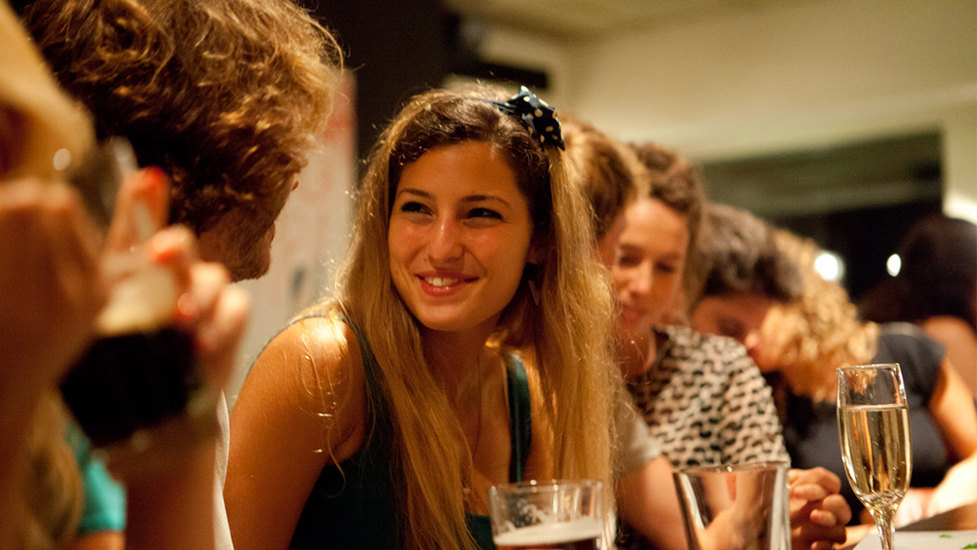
(873,425)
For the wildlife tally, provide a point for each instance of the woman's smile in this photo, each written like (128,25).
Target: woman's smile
(444,284)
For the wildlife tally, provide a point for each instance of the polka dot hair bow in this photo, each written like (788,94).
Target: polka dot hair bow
(538,117)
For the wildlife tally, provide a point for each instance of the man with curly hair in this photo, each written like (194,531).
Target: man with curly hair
(224,95)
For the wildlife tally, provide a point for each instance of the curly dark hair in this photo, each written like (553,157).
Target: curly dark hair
(224,95)
(738,252)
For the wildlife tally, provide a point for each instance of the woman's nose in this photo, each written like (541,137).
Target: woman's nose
(445,243)
(751,342)
(642,279)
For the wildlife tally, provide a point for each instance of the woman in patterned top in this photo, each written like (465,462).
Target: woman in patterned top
(613,178)
(702,397)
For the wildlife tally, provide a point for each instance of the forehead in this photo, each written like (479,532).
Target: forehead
(463,169)
(739,304)
(656,228)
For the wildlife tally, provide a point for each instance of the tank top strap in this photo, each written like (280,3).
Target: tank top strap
(520,417)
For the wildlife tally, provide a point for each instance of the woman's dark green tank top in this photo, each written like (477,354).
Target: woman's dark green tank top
(355,506)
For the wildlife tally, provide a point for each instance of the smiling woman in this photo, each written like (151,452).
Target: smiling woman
(380,419)
(459,236)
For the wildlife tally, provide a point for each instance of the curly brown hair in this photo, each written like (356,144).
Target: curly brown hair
(820,332)
(224,95)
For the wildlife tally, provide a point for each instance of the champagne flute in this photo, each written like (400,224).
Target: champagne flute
(873,426)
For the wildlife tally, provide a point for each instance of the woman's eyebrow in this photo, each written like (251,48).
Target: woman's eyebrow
(412,191)
(482,198)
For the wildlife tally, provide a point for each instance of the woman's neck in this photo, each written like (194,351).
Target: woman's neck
(455,359)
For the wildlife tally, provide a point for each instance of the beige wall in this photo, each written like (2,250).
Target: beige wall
(781,77)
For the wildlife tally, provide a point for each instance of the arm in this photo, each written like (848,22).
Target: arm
(961,346)
(170,488)
(303,406)
(171,497)
(952,406)
(953,410)
(48,271)
(647,500)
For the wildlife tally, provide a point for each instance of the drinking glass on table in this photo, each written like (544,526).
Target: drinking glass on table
(735,507)
(553,514)
(873,426)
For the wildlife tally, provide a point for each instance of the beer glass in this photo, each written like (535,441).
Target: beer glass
(141,370)
(873,426)
(740,507)
(554,514)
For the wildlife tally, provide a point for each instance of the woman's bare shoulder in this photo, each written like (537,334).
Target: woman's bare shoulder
(309,380)
(310,351)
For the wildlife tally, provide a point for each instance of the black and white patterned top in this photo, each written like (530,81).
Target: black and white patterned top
(706,403)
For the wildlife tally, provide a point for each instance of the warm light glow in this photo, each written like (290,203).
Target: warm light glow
(62,159)
(893,265)
(830,266)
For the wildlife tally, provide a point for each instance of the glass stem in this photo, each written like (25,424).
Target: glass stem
(883,520)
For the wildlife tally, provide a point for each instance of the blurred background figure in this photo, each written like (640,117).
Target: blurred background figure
(51,294)
(935,286)
(225,96)
(703,399)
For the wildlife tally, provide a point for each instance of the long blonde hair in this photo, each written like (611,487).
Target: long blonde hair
(563,338)
(821,331)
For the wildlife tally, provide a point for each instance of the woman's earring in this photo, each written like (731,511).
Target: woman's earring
(532,270)
(533,290)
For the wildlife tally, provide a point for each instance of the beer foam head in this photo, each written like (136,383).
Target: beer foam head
(551,533)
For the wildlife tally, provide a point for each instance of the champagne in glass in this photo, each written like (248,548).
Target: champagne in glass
(873,425)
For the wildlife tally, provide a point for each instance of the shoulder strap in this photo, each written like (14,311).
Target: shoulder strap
(519,417)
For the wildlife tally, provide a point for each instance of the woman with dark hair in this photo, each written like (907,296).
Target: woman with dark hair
(936,288)
(466,345)
(805,336)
